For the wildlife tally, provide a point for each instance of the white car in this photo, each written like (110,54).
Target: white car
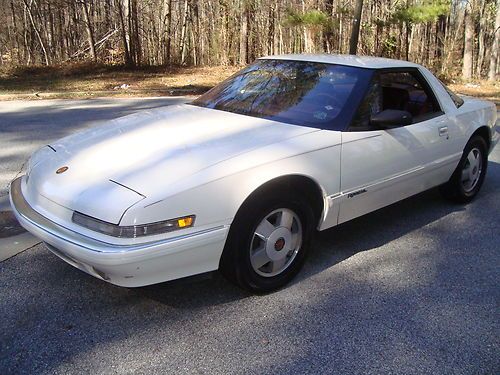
(241,178)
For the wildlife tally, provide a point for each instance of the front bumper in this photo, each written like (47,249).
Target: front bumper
(495,136)
(124,265)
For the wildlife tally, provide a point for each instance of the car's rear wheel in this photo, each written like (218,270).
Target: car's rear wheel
(468,178)
(268,242)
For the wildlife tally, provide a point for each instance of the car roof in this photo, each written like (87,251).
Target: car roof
(349,60)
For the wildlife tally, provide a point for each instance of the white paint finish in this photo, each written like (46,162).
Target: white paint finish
(377,160)
(188,160)
(137,267)
(349,60)
(51,192)
(224,187)
(149,153)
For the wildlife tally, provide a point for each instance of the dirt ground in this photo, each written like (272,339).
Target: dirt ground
(87,81)
(479,88)
(84,81)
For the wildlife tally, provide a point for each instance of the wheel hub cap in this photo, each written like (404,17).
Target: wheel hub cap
(276,242)
(471,171)
(280,244)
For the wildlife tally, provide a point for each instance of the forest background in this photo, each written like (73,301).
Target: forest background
(150,47)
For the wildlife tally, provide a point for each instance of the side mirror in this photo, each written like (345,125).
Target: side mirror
(391,118)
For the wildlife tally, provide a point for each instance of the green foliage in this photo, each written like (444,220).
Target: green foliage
(426,11)
(390,45)
(293,18)
(311,18)
(314,17)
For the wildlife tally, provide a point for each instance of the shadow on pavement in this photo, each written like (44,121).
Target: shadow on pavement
(373,297)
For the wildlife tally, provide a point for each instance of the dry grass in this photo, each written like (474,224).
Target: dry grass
(480,88)
(77,81)
(87,80)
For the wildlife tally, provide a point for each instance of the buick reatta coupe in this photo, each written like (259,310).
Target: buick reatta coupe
(240,179)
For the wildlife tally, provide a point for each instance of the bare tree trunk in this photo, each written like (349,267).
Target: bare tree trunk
(221,32)
(440,40)
(272,30)
(408,31)
(353,43)
(136,48)
(481,41)
(494,63)
(27,52)
(243,34)
(90,32)
(168,46)
(125,40)
(468,45)
(306,47)
(16,37)
(35,29)
(183,32)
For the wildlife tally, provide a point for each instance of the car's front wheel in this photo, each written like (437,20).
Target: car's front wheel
(468,178)
(268,242)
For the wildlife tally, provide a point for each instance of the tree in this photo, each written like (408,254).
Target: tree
(468,42)
(243,39)
(222,32)
(417,14)
(90,32)
(37,32)
(353,43)
(124,32)
(494,59)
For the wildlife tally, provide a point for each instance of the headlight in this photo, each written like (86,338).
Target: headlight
(133,231)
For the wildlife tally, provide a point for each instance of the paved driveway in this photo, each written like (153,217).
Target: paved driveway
(410,289)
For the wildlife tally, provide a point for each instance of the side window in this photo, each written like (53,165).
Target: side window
(456,99)
(401,90)
(371,105)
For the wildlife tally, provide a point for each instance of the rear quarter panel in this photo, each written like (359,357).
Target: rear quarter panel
(466,119)
(473,114)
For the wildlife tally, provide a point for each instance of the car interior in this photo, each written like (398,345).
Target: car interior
(401,91)
(395,91)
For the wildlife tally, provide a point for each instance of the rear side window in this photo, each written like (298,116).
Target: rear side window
(456,99)
(403,91)
(397,90)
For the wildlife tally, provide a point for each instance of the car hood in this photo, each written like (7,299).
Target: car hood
(110,163)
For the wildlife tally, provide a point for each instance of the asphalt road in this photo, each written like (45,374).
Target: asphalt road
(410,289)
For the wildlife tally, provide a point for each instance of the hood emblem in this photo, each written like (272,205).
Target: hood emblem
(62,170)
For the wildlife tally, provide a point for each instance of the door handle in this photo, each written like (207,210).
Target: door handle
(443,131)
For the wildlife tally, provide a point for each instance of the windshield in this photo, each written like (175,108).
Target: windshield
(296,92)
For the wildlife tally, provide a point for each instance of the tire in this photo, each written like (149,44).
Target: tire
(268,242)
(466,181)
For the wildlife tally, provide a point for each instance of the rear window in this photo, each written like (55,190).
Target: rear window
(454,97)
(302,93)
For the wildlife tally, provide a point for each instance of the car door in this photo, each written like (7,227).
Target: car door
(382,166)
